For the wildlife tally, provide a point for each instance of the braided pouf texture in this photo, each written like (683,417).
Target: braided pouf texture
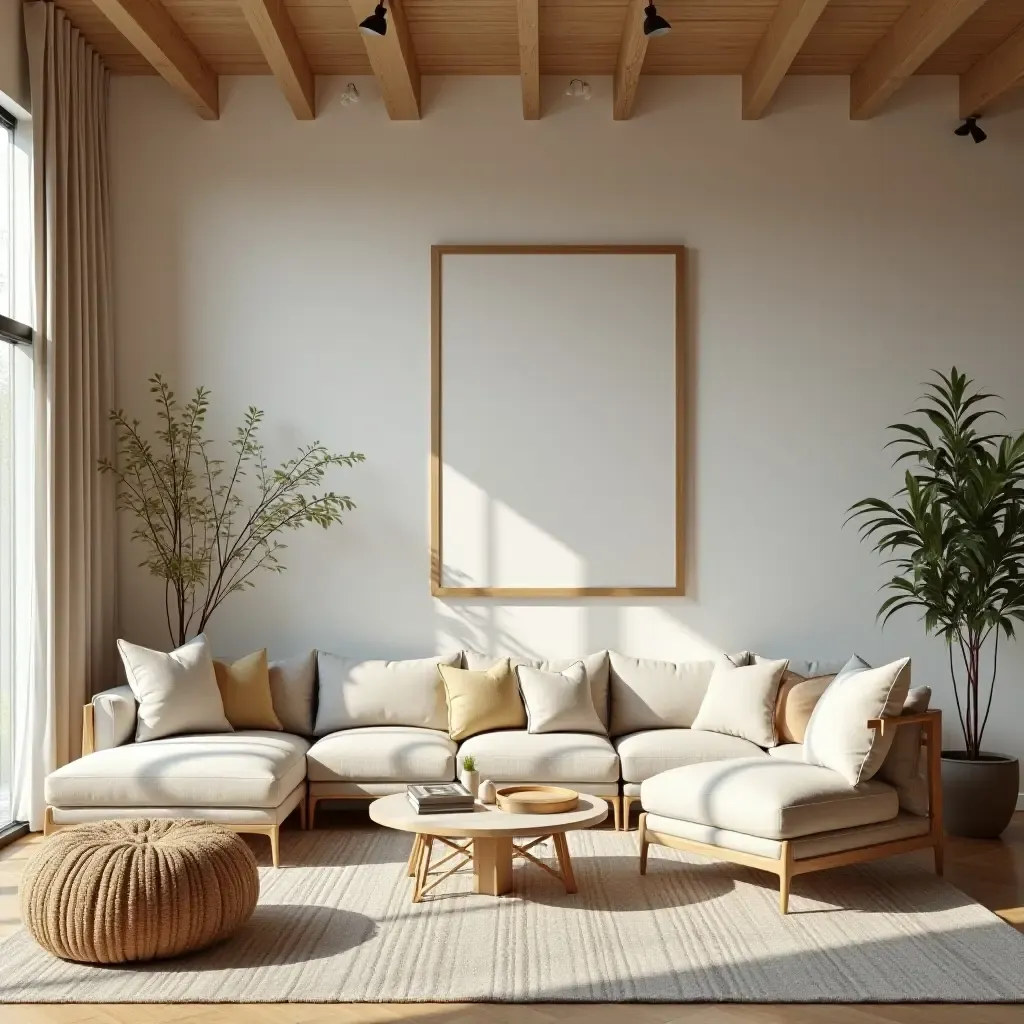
(114,891)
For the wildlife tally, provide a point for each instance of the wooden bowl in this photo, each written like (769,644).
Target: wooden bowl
(537,799)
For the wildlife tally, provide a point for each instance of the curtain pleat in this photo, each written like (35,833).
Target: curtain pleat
(75,534)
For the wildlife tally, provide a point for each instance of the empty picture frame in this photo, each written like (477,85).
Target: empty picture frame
(557,450)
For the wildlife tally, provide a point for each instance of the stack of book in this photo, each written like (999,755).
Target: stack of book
(440,798)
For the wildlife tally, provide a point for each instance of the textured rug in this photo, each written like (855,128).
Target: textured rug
(337,925)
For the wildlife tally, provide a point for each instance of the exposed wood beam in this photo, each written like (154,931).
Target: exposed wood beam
(393,60)
(790,26)
(529,57)
(272,26)
(994,75)
(920,31)
(632,50)
(155,34)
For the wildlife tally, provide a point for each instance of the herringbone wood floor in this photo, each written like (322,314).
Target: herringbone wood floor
(991,872)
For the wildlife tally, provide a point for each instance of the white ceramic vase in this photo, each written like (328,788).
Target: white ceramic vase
(487,793)
(471,780)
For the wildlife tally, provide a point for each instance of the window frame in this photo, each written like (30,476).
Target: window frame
(13,331)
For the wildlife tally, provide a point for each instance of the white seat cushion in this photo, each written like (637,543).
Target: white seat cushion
(788,752)
(234,769)
(386,753)
(514,755)
(644,754)
(768,797)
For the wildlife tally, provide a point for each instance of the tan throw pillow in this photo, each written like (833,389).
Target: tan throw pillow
(905,766)
(838,735)
(245,690)
(740,701)
(797,697)
(177,693)
(559,701)
(482,701)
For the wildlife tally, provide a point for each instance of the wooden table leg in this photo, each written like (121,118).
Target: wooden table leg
(426,842)
(414,856)
(492,865)
(564,861)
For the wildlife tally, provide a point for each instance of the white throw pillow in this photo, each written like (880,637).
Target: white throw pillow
(838,736)
(177,692)
(559,701)
(740,701)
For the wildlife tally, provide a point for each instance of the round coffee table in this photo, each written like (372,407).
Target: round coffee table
(488,840)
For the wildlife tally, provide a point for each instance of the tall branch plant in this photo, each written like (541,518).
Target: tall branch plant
(955,530)
(208,526)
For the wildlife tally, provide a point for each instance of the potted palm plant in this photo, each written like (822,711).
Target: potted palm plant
(955,531)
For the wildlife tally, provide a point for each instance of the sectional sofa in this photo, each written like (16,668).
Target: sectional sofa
(351,733)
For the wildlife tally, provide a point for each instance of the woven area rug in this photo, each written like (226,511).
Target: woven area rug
(337,925)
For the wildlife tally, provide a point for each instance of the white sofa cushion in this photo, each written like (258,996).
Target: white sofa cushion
(559,701)
(768,797)
(177,693)
(838,736)
(788,752)
(648,694)
(740,701)
(355,693)
(643,754)
(515,755)
(596,665)
(236,769)
(389,753)
(113,717)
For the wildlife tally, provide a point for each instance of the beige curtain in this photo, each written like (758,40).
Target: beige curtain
(75,541)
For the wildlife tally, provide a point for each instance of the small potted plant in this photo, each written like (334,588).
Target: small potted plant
(955,532)
(470,777)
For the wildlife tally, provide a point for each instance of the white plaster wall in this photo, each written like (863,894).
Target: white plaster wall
(13,59)
(833,263)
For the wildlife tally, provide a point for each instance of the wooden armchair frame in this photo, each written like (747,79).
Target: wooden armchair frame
(786,867)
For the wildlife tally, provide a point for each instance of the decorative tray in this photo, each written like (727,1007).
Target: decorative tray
(537,799)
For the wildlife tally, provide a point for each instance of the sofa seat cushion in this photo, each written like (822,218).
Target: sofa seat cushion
(515,755)
(644,754)
(385,753)
(235,769)
(768,797)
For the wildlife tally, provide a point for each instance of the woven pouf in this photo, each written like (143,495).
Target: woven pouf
(114,891)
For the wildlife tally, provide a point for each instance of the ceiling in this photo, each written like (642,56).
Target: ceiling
(479,37)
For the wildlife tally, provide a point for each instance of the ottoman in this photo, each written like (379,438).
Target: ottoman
(108,892)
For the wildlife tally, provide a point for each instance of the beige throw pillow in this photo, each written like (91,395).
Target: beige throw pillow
(797,698)
(245,689)
(740,701)
(559,701)
(176,693)
(838,736)
(293,689)
(482,701)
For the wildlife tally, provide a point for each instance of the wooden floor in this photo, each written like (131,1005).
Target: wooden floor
(990,871)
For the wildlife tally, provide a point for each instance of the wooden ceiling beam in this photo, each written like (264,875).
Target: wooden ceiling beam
(632,51)
(920,31)
(155,34)
(789,27)
(272,26)
(529,56)
(393,60)
(993,76)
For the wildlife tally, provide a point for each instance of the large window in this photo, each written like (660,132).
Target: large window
(15,442)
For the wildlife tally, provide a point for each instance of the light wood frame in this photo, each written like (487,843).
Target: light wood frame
(437,254)
(787,867)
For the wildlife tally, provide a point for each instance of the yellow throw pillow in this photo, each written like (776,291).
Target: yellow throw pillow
(482,701)
(794,704)
(245,690)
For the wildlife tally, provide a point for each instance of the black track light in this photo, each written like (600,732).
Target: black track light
(376,24)
(654,23)
(972,128)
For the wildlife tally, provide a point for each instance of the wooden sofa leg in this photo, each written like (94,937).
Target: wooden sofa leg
(616,806)
(311,811)
(275,845)
(785,874)
(627,807)
(642,832)
(302,815)
(48,826)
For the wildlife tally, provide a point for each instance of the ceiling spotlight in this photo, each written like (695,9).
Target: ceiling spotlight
(654,23)
(578,89)
(971,127)
(376,24)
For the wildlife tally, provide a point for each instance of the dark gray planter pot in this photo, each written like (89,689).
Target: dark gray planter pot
(978,797)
